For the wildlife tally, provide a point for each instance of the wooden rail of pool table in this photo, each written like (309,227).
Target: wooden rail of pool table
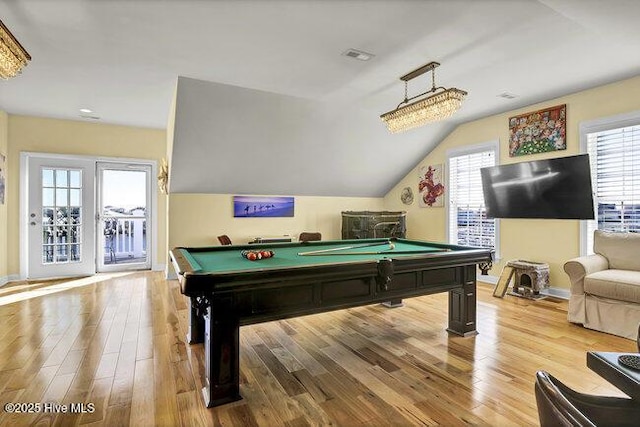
(216,315)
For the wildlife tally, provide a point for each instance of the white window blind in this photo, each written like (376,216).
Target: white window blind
(615,172)
(468,223)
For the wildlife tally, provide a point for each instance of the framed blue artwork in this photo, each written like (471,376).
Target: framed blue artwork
(262,207)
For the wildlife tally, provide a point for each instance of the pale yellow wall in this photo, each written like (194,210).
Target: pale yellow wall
(551,241)
(197,219)
(43,135)
(4,207)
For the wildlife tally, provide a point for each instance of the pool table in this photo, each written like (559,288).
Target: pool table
(228,291)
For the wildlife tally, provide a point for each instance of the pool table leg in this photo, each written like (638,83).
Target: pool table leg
(462,305)
(195,334)
(222,359)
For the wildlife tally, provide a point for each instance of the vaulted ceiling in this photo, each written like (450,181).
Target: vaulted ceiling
(122,59)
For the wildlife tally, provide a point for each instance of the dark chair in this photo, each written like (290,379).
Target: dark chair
(309,237)
(224,240)
(558,405)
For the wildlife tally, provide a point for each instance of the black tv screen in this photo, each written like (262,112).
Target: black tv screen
(557,188)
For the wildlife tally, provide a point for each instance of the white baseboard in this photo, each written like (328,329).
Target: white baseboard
(10,278)
(485,278)
(170,273)
(561,293)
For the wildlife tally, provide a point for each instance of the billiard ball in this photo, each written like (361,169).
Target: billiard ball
(391,246)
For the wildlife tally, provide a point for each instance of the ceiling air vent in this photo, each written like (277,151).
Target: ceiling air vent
(358,54)
(90,117)
(507,95)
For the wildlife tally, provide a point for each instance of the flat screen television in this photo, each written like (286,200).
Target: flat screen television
(558,188)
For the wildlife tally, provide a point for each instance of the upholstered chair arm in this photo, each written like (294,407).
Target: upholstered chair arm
(578,268)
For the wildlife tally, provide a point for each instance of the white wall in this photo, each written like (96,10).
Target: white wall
(234,140)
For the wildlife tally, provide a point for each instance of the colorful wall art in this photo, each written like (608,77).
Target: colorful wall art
(538,132)
(262,207)
(430,186)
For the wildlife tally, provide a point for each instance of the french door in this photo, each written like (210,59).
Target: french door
(124,202)
(81,215)
(61,210)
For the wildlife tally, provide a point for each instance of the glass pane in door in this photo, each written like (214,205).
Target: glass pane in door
(124,216)
(61,215)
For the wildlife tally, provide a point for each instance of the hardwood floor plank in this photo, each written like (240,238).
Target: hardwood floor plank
(283,332)
(263,411)
(311,386)
(118,415)
(32,393)
(187,403)
(122,387)
(99,397)
(271,395)
(107,366)
(166,406)
(142,401)
(144,348)
(312,413)
(241,415)
(288,381)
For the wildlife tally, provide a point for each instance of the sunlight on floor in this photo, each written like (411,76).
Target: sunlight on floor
(34,290)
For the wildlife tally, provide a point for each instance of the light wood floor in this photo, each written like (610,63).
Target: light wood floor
(120,345)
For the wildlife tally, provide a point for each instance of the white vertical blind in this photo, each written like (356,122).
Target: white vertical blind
(615,172)
(468,223)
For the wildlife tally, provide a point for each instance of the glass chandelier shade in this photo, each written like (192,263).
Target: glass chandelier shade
(418,113)
(13,57)
(439,104)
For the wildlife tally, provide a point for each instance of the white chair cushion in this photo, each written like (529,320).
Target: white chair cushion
(621,285)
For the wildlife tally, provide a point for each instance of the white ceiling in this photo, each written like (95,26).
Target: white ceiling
(122,59)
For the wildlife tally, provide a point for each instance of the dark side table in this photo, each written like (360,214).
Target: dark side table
(607,366)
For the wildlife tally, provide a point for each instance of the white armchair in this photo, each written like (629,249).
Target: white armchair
(605,286)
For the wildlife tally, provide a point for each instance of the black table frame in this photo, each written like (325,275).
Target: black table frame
(221,303)
(607,366)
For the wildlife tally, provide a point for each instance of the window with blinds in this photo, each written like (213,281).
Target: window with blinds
(615,172)
(468,222)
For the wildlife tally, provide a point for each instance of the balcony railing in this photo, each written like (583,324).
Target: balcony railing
(124,239)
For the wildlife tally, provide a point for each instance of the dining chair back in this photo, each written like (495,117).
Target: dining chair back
(224,239)
(309,237)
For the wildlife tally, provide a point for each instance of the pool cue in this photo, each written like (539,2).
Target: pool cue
(388,251)
(364,245)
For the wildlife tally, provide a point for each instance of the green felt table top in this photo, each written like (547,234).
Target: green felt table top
(221,259)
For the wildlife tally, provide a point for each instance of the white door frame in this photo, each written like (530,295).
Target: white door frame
(24,201)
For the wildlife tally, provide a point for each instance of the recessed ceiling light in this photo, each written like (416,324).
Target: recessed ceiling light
(86,110)
(507,95)
(358,54)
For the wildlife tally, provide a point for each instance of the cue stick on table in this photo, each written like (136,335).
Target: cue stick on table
(364,245)
(388,251)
